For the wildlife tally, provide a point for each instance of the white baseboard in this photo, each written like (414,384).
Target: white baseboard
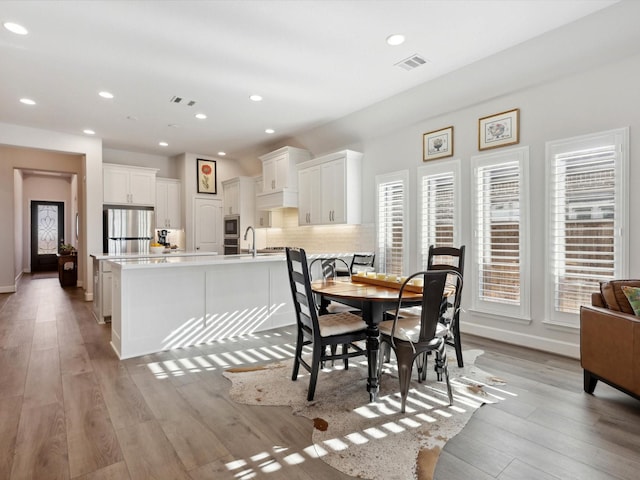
(545,344)
(88,296)
(8,288)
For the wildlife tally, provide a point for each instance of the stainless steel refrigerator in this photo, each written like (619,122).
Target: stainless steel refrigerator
(127,229)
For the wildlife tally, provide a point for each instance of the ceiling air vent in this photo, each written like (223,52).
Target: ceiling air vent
(414,61)
(177,99)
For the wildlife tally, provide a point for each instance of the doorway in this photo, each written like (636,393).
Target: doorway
(47,234)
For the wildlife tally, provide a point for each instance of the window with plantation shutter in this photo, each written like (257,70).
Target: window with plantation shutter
(585,191)
(501,224)
(438,187)
(392,223)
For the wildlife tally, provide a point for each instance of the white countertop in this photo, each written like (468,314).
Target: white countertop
(178,253)
(174,260)
(137,260)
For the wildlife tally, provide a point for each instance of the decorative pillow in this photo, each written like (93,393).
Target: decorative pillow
(614,297)
(633,295)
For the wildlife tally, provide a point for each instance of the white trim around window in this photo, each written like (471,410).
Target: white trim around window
(392,222)
(587,198)
(438,207)
(501,252)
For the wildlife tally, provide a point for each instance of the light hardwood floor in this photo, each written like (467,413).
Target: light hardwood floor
(70,409)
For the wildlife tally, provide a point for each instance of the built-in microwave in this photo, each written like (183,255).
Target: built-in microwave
(232,226)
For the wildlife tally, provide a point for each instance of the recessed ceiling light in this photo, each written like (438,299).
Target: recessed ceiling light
(27,101)
(222,154)
(255,98)
(269,130)
(395,39)
(163,144)
(200,116)
(15,28)
(106,94)
(88,131)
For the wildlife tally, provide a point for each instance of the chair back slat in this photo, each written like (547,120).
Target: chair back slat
(300,283)
(437,294)
(327,267)
(441,258)
(361,262)
(448,258)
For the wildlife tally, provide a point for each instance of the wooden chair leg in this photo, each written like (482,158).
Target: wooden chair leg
(345,350)
(315,368)
(296,360)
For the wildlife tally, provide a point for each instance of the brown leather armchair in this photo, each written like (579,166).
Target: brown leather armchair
(610,340)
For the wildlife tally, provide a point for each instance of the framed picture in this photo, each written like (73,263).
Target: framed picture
(499,130)
(437,144)
(207,177)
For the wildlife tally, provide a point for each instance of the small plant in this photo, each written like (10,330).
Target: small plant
(66,249)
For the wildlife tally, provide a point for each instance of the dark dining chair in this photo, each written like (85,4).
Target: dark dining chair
(362,262)
(450,258)
(319,331)
(327,268)
(414,337)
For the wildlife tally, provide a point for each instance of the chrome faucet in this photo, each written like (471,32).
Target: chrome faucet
(254,251)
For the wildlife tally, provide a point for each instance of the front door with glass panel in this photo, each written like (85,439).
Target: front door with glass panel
(47,233)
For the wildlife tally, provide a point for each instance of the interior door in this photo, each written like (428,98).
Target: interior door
(47,233)
(207,225)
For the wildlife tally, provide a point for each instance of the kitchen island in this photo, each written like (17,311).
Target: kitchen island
(102,277)
(171,301)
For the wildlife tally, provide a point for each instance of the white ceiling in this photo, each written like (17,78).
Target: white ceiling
(312,61)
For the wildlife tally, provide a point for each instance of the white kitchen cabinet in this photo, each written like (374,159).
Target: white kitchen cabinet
(238,195)
(231,195)
(309,206)
(240,199)
(168,203)
(280,180)
(266,218)
(129,185)
(102,291)
(331,189)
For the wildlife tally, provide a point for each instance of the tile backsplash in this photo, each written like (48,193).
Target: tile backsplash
(321,239)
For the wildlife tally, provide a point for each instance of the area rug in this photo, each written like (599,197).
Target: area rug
(373,440)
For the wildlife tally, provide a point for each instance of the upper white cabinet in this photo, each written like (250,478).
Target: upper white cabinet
(309,202)
(279,178)
(266,218)
(129,185)
(239,198)
(231,195)
(331,189)
(168,203)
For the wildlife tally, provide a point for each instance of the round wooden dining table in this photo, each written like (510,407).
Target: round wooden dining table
(373,301)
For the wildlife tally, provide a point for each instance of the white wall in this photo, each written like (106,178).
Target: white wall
(167,167)
(599,99)
(86,162)
(187,162)
(19,242)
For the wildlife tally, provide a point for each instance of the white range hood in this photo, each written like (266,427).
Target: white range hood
(284,198)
